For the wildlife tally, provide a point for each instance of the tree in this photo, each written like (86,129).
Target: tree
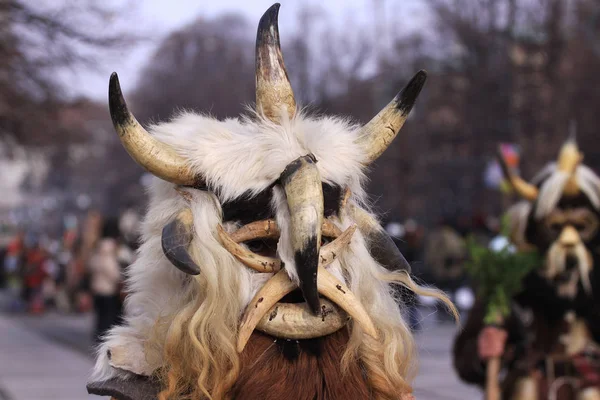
(37,42)
(207,66)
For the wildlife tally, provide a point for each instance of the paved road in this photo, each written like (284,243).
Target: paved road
(49,357)
(34,368)
(436,379)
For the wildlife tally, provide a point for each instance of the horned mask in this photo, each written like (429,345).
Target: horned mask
(560,218)
(258,227)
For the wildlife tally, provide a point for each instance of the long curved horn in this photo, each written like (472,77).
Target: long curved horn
(267,296)
(569,159)
(273,88)
(294,321)
(378,133)
(523,188)
(304,192)
(156,157)
(176,238)
(336,291)
(380,244)
(332,250)
(252,260)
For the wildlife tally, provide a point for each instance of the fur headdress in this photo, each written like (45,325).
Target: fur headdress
(258,227)
(560,216)
(566,177)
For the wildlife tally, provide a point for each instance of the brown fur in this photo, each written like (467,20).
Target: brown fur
(268,372)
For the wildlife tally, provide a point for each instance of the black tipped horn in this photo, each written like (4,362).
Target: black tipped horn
(307,263)
(378,133)
(273,88)
(385,252)
(406,98)
(156,157)
(380,244)
(304,192)
(176,238)
(119,113)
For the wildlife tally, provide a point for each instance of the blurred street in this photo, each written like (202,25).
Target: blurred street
(437,379)
(49,357)
(35,367)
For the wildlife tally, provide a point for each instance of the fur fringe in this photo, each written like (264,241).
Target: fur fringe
(183,328)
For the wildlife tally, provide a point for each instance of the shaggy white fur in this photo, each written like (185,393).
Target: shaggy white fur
(517,216)
(553,183)
(237,157)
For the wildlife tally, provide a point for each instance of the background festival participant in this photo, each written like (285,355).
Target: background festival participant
(549,343)
(105,278)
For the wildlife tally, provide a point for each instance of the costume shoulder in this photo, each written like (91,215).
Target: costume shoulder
(466,361)
(136,388)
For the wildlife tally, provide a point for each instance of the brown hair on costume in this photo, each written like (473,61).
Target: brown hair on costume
(315,373)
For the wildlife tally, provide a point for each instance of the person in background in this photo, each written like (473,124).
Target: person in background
(13,263)
(65,259)
(446,253)
(129,226)
(34,274)
(549,343)
(87,243)
(105,278)
(50,268)
(445,256)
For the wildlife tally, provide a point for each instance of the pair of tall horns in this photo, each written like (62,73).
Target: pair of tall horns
(274,95)
(569,159)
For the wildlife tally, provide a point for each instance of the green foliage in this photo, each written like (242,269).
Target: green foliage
(498,276)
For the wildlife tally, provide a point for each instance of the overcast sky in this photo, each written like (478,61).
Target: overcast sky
(159,17)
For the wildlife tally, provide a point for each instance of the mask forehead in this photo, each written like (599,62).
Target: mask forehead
(251,208)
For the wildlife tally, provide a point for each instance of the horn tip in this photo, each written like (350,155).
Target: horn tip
(268,29)
(113,84)
(408,96)
(270,16)
(172,251)
(307,261)
(314,305)
(116,103)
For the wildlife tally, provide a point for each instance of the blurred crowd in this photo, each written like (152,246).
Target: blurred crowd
(438,255)
(83,269)
(77,272)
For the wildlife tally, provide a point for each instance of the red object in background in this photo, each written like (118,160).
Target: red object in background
(510,152)
(36,306)
(69,238)
(15,246)
(34,272)
(84,302)
(34,275)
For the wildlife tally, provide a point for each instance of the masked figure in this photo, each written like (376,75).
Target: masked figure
(261,274)
(445,256)
(548,345)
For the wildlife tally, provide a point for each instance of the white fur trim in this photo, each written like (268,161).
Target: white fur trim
(517,216)
(237,156)
(550,193)
(589,183)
